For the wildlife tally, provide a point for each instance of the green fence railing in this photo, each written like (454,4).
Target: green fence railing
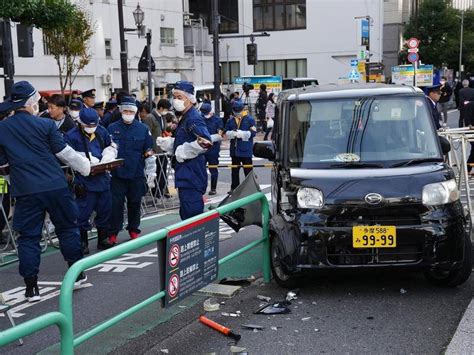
(64,318)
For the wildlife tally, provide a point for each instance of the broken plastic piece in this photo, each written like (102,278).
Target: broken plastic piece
(252,326)
(264,298)
(305,319)
(274,328)
(274,308)
(220,328)
(211,305)
(292,295)
(402,291)
(238,350)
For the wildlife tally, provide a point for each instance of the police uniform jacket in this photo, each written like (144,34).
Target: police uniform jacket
(214,125)
(133,141)
(434,112)
(239,147)
(28,144)
(94,145)
(192,172)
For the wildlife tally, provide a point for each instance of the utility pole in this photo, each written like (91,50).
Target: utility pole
(215,41)
(123,51)
(367,59)
(8,64)
(460,45)
(148,54)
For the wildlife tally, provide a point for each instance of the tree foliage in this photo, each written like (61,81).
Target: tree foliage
(45,14)
(70,47)
(438,27)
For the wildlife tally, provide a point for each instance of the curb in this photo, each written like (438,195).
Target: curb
(463,340)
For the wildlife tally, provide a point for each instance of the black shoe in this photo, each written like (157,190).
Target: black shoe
(212,192)
(32,291)
(80,280)
(84,242)
(103,241)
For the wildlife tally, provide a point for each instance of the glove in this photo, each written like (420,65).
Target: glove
(94,160)
(180,154)
(75,160)
(230,134)
(165,143)
(150,165)
(150,180)
(188,151)
(216,137)
(245,135)
(109,154)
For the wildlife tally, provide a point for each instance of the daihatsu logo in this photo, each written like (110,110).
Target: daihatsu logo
(373,199)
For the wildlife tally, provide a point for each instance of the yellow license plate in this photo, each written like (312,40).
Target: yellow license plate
(374,237)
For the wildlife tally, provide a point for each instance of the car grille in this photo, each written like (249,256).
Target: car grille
(349,217)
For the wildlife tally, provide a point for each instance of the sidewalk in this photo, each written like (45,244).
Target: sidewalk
(463,339)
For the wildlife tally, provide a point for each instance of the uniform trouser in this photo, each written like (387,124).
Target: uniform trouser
(28,221)
(101,203)
(236,171)
(6,208)
(213,160)
(190,202)
(133,190)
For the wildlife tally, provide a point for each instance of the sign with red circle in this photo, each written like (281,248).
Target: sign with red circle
(413,42)
(173,256)
(413,57)
(173,286)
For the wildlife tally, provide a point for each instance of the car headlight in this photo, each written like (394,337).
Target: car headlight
(310,198)
(440,193)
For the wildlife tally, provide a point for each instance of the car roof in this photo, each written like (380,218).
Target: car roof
(348,90)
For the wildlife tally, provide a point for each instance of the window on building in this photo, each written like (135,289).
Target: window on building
(228,11)
(108,48)
(167,36)
(286,68)
(279,15)
(46,49)
(229,70)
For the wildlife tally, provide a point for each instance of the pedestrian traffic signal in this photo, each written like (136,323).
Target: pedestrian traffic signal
(252,54)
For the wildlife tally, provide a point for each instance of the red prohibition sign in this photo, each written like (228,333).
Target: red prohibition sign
(173,256)
(173,286)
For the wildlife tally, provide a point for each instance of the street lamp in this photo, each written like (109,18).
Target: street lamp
(139,16)
(460,44)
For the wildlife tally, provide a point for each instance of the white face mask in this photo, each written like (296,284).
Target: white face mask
(128,118)
(164,112)
(35,109)
(178,105)
(89,130)
(208,116)
(74,114)
(442,82)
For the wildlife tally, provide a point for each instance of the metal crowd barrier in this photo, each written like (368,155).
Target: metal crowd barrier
(64,318)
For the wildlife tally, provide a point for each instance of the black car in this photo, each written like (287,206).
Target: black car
(360,181)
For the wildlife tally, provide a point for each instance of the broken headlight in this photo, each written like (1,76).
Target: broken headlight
(309,198)
(440,193)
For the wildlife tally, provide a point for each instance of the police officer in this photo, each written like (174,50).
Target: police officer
(99,107)
(216,129)
(135,145)
(192,140)
(93,192)
(88,97)
(433,96)
(240,129)
(110,106)
(30,145)
(74,108)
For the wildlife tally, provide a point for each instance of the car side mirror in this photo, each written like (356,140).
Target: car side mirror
(445,145)
(264,150)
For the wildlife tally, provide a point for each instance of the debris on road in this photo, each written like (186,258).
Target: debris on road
(275,328)
(226,314)
(403,291)
(305,319)
(316,329)
(220,328)
(264,298)
(211,305)
(274,308)
(252,326)
(235,281)
(164,351)
(292,295)
(238,350)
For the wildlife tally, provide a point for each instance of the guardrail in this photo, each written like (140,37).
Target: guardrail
(64,318)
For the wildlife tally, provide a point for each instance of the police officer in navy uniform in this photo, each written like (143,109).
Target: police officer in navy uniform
(433,96)
(31,146)
(74,109)
(88,97)
(191,141)
(216,129)
(93,192)
(240,129)
(135,146)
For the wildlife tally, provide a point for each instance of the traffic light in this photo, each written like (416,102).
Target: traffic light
(252,54)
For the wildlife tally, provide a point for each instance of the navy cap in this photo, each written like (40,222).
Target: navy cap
(99,104)
(89,93)
(185,86)
(76,105)
(205,108)
(433,88)
(89,116)
(128,103)
(237,105)
(20,93)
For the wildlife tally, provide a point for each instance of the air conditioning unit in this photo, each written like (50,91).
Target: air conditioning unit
(106,79)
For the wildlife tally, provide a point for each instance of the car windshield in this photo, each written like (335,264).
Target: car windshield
(367,132)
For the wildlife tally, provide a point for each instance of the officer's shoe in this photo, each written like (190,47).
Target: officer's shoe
(32,291)
(80,280)
(133,234)
(212,192)
(105,243)
(113,239)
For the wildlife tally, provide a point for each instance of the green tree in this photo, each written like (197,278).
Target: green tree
(438,26)
(70,47)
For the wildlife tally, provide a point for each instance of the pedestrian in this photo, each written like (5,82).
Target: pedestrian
(261,106)
(92,192)
(443,103)
(466,97)
(270,114)
(75,108)
(135,146)
(31,146)
(57,111)
(110,107)
(99,107)
(191,141)
(432,98)
(88,97)
(241,130)
(216,130)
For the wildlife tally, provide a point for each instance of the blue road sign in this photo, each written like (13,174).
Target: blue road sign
(413,57)
(364,32)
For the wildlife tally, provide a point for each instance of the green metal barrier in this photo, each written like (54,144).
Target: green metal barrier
(64,318)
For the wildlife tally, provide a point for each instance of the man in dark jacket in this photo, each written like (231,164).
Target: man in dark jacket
(261,107)
(433,96)
(57,111)
(466,95)
(443,103)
